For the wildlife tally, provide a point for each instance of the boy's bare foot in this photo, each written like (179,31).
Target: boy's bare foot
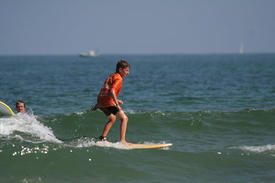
(126,143)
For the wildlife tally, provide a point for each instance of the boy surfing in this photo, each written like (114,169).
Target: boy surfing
(108,102)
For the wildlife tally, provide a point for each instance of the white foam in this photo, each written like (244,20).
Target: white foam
(130,111)
(258,149)
(79,113)
(27,124)
(91,142)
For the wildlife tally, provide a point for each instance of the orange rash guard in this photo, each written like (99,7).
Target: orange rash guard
(113,82)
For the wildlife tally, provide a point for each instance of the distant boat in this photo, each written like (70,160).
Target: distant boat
(241,48)
(91,53)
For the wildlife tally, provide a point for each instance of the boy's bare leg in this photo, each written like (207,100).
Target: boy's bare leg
(109,124)
(123,127)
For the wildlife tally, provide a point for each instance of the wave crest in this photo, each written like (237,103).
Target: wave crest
(25,125)
(257,149)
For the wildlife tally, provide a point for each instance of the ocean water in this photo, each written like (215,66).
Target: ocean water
(217,110)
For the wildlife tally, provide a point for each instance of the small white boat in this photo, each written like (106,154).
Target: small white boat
(91,53)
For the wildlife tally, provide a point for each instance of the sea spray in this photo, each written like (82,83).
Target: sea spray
(27,125)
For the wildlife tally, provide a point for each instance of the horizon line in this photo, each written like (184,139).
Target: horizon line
(102,54)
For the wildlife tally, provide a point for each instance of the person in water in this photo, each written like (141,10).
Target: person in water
(108,102)
(20,106)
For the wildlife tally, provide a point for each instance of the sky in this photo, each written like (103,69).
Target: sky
(51,27)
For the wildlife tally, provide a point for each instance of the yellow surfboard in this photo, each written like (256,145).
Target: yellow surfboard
(119,145)
(148,146)
(5,110)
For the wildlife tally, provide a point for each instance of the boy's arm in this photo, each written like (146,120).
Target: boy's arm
(117,102)
(117,82)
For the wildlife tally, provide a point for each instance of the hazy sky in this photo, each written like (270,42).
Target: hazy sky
(136,26)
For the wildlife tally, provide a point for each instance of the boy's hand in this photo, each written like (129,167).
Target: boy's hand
(118,107)
(120,101)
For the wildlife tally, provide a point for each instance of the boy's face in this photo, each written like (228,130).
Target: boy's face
(124,72)
(20,107)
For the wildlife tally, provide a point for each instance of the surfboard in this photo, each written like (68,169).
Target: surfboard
(119,145)
(148,146)
(5,110)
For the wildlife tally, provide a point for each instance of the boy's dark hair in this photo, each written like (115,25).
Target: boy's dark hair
(121,64)
(20,101)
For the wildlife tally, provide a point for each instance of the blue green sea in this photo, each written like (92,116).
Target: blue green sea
(218,110)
